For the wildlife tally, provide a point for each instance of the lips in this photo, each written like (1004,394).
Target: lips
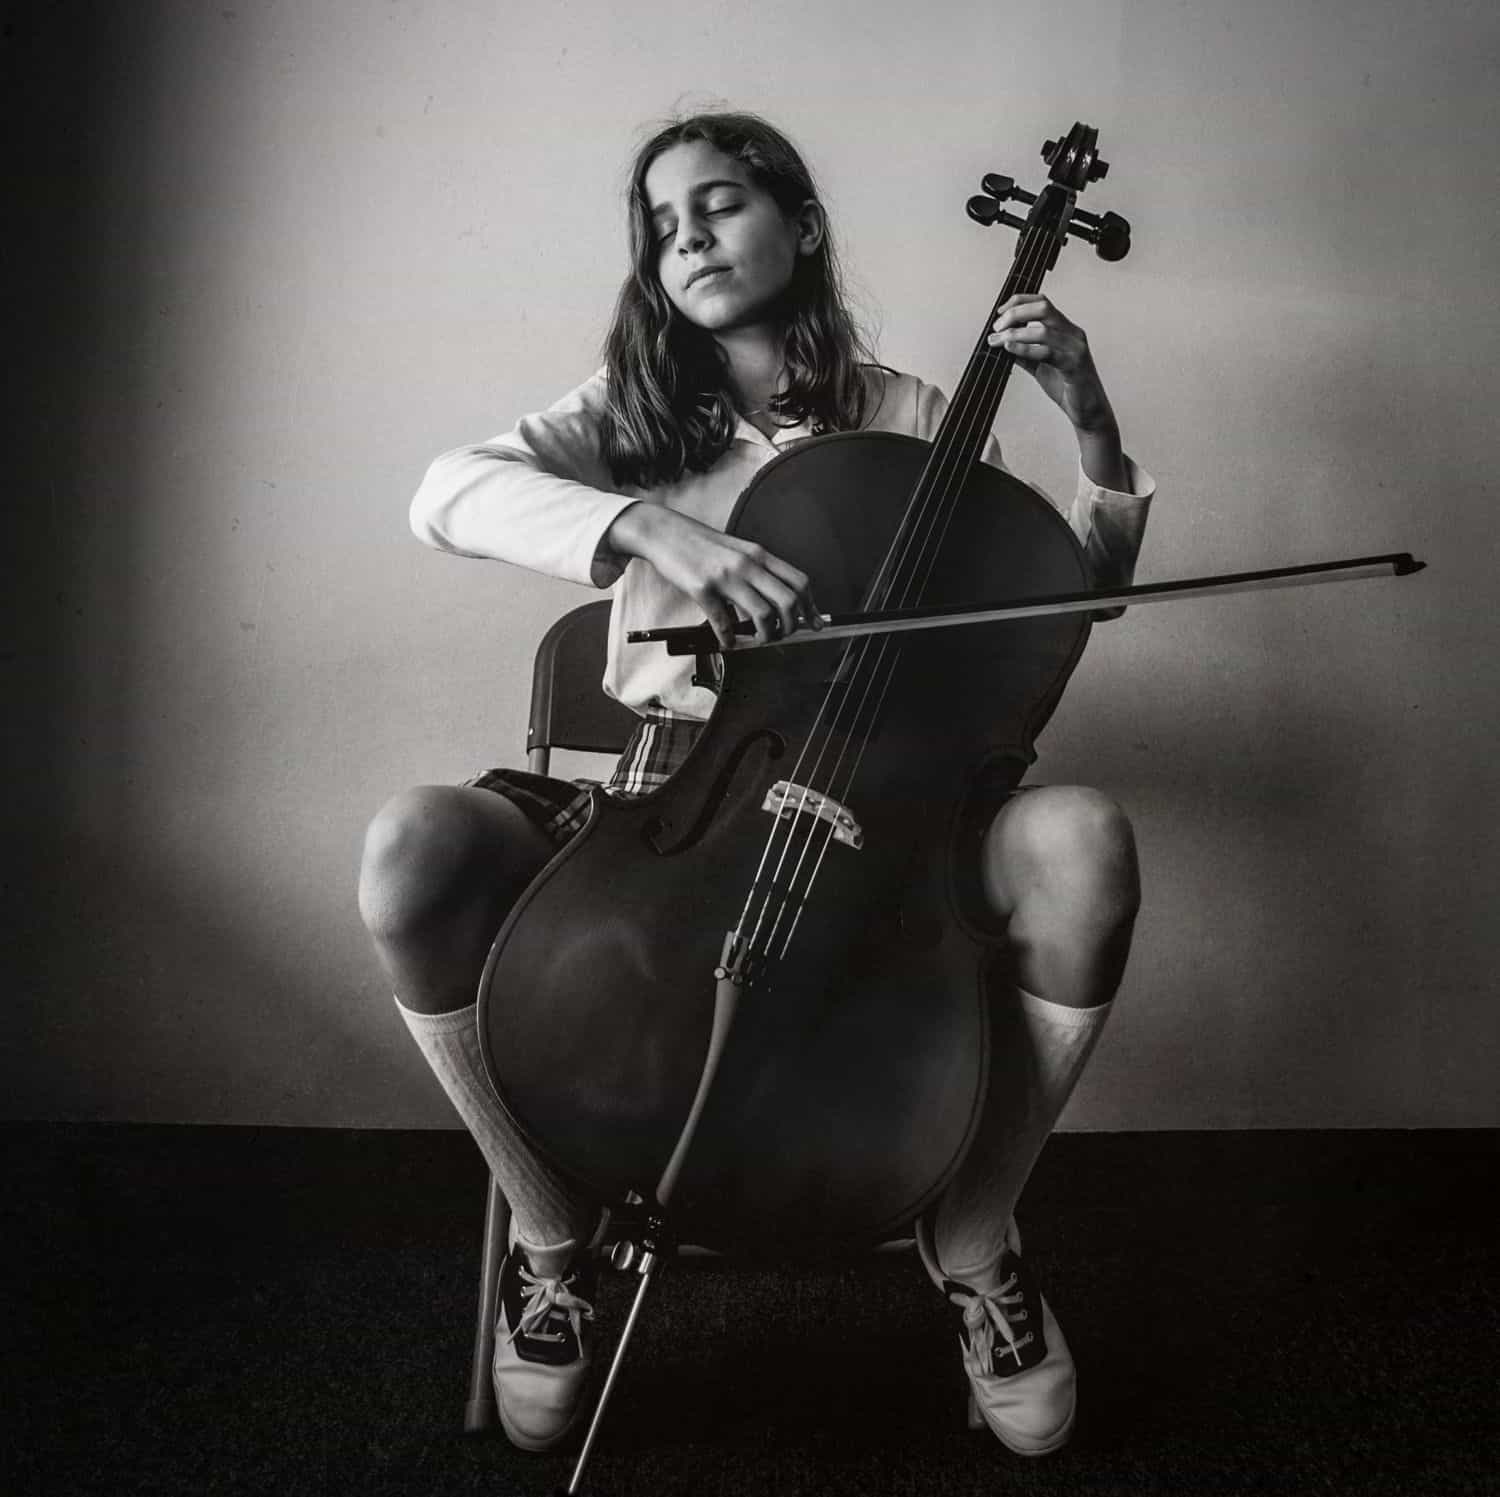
(704,271)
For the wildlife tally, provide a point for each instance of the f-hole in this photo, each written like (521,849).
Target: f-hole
(663,837)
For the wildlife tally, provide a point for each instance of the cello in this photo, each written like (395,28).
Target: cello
(805,850)
(760,994)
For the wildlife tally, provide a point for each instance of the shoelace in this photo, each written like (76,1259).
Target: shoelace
(984,1314)
(544,1297)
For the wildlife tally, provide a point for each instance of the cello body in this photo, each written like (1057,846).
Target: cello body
(857,1068)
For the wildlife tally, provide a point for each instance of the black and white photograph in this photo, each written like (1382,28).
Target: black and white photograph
(751,749)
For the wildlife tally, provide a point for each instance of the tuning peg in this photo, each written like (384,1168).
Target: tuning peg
(983,210)
(988,212)
(1108,233)
(1113,241)
(1004,188)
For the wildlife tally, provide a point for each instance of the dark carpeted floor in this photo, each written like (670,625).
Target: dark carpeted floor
(196,1310)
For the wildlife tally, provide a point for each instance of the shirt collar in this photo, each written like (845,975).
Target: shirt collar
(745,431)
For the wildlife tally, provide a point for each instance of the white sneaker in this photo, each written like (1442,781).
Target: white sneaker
(543,1342)
(1022,1382)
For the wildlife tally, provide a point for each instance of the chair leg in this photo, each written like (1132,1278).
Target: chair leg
(480,1412)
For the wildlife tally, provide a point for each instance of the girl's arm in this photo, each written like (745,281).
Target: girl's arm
(1113,499)
(539,496)
(1055,352)
(722,574)
(1109,520)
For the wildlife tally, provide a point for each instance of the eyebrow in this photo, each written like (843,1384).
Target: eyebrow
(700,189)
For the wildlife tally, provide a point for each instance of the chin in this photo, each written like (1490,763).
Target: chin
(726,318)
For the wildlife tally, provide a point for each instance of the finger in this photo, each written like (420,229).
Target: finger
(1018,309)
(722,619)
(1022,299)
(1032,350)
(1065,334)
(1067,355)
(749,606)
(1029,332)
(768,606)
(802,608)
(756,592)
(729,593)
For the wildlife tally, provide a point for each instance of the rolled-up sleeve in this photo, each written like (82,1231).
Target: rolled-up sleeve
(1110,523)
(539,496)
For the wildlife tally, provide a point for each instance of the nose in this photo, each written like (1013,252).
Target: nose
(692,236)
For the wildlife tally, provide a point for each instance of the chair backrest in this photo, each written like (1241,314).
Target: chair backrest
(569,709)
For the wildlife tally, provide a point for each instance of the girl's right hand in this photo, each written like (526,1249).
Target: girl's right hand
(727,577)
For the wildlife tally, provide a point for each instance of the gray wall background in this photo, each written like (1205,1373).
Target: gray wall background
(272,257)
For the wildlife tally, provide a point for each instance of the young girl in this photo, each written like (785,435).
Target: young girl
(731,339)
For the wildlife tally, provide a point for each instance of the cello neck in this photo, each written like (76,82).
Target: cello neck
(903,575)
(976,398)
(960,439)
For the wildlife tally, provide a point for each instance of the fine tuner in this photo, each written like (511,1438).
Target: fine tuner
(1107,232)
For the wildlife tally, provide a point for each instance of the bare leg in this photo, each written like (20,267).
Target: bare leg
(442,868)
(1060,867)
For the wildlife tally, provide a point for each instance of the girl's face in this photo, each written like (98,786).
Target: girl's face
(725,250)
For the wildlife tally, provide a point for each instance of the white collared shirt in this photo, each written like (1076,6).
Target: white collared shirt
(541,496)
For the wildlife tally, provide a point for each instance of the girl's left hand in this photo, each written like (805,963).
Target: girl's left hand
(1056,353)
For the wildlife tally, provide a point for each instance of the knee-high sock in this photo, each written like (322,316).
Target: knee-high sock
(547,1210)
(1037,1053)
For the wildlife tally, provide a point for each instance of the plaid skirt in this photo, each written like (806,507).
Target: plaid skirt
(560,807)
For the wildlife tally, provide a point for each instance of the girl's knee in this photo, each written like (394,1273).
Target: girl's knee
(419,850)
(1087,825)
(1068,839)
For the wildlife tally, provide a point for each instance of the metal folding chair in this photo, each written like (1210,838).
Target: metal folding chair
(568,711)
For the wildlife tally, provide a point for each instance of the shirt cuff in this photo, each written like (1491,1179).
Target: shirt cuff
(1142,486)
(608,565)
(1112,523)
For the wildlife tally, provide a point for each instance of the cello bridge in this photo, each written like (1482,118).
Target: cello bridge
(785,800)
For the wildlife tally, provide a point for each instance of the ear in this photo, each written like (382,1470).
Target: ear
(811,223)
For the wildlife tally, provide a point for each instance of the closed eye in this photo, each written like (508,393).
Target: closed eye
(666,230)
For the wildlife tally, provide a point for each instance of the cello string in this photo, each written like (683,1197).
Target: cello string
(971,399)
(918,586)
(932,507)
(879,678)
(972,416)
(979,397)
(975,414)
(1026,278)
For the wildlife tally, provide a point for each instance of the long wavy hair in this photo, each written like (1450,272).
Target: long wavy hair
(669,406)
